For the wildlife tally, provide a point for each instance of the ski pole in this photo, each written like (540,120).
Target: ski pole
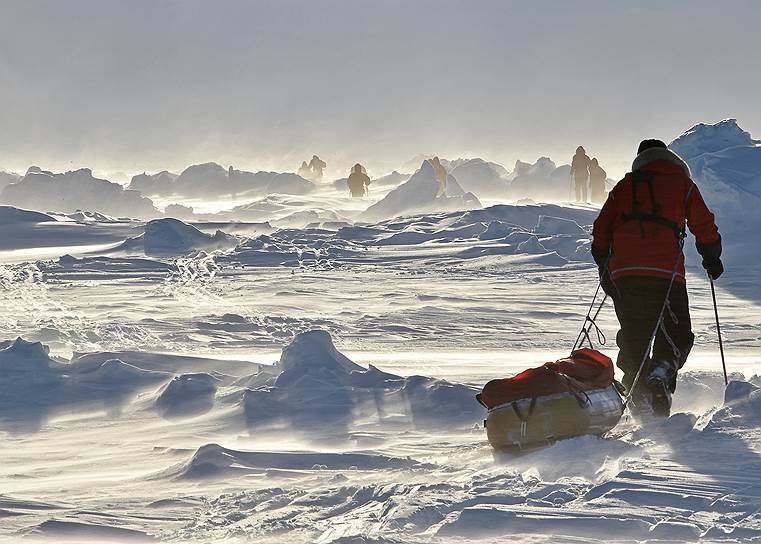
(718,331)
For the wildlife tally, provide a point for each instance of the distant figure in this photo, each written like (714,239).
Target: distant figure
(317,165)
(597,177)
(358,181)
(304,170)
(580,173)
(441,176)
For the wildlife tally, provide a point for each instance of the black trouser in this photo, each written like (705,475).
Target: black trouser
(638,301)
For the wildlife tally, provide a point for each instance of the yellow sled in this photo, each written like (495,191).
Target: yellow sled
(532,423)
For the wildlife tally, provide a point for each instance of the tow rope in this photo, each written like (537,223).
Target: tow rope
(590,322)
(658,323)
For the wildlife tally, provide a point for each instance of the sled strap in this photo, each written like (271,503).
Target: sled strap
(584,332)
(524,418)
(588,328)
(579,394)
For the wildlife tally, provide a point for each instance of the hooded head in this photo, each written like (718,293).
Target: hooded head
(655,150)
(357,168)
(649,144)
(580,150)
(594,162)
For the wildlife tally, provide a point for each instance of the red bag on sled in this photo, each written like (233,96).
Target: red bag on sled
(586,368)
(569,397)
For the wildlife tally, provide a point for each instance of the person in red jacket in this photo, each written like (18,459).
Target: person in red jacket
(637,245)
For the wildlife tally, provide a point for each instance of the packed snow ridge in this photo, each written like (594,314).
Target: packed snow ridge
(419,194)
(76,190)
(212,180)
(172,237)
(726,164)
(9,214)
(710,138)
(500,231)
(215,461)
(482,178)
(314,382)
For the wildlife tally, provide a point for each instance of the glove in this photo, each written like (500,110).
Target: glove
(600,255)
(710,252)
(714,267)
(606,282)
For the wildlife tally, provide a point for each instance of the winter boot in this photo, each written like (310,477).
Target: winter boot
(641,403)
(659,383)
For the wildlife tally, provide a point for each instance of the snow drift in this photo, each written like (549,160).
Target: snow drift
(485,179)
(10,215)
(188,394)
(6,178)
(495,232)
(212,180)
(316,387)
(160,183)
(541,181)
(213,460)
(418,195)
(726,164)
(172,237)
(76,190)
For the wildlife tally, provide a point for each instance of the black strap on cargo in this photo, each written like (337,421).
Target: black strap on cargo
(521,417)
(646,177)
(518,412)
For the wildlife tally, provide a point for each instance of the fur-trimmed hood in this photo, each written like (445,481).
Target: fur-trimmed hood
(659,154)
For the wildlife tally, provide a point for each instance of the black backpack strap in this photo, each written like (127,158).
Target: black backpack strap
(647,176)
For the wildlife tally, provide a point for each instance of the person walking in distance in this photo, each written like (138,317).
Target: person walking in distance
(580,173)
(597,177)
(441,176)
(358,181)
(317,165)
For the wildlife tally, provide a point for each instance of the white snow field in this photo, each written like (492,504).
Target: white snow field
(224,381)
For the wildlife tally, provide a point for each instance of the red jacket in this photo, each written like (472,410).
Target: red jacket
(650,247)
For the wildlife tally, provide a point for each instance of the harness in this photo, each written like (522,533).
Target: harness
(646,177)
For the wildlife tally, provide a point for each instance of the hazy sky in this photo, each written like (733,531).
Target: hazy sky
(135,84)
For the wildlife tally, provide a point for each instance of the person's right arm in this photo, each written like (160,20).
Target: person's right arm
(702,224)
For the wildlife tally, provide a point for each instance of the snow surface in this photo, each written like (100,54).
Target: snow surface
(312,380)
(10,215)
